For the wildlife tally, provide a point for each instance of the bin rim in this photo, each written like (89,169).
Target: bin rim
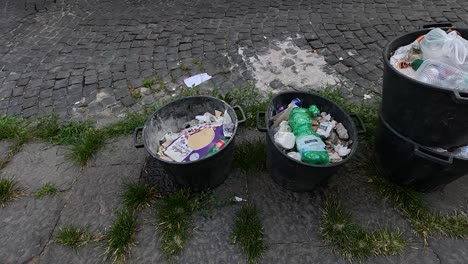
(386,59)
(354,145)
(203,159)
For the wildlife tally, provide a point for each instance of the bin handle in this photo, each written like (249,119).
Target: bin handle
(242,112)
(362,129)
(438,25)
(420,153)
(259,127)
(137,131)
(460,97)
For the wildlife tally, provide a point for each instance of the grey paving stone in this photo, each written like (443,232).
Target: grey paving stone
(452,198)
(450,250)
(367,207)
(287,216)
(26,225)
(89,254)
(147,248)
(101,186)
(39,163)
(120,151)
(414,254)
(285,253)
(4,147)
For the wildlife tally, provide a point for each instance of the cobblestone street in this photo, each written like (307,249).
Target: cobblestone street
(55,53)
(95,60)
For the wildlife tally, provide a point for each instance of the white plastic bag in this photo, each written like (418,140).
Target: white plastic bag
(449,48)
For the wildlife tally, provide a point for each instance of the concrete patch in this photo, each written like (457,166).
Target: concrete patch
(285,66)
(38,163)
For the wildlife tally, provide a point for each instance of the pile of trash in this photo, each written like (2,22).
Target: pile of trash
(308,135)
(202,137)
(439,58)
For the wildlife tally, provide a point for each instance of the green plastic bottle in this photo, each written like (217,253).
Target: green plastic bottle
(308,143)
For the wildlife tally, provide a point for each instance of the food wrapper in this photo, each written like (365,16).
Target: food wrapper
(194,143)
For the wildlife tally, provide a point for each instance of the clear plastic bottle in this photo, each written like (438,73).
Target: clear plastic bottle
(443,75)
(309,144)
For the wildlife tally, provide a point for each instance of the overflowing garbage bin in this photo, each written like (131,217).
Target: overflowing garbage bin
(308,138)
(423,135)
(193,138)
(430,114)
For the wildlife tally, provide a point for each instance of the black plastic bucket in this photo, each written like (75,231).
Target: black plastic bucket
(206,173)
(409,164)
(296,175)
(430,115)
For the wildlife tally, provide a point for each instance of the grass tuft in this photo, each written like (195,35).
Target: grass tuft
(174,217)
(120,237)
(148,83)
(9,191)
(248,233)
(126,125)
(74,237)
(46,189)
(351,240)
(138,195)
(86,147)
(13,127)
(250,156)
(49,129)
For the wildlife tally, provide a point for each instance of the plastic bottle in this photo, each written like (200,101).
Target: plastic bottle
(308,143)
(443,75)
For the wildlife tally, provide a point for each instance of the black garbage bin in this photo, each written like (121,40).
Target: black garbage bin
(429,115)
(205,173)
(412,165)
(296,175)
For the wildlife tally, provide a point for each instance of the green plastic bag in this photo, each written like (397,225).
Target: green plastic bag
(308,143)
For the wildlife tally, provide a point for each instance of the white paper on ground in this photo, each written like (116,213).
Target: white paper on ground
(238,199)
(195,80)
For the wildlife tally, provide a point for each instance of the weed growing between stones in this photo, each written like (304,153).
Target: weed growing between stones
(50,130)
(183,68)
(248,233)
(138,195)
(74,237)
(9,191)
(13,127)
(120,237)
(174,217)
(87,146)
(250,156)
(351,240)
(16,129)
(47,189)
(126,125)
(148,83)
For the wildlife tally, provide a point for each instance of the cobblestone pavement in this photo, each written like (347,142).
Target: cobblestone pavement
(91,197)
(78,57)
